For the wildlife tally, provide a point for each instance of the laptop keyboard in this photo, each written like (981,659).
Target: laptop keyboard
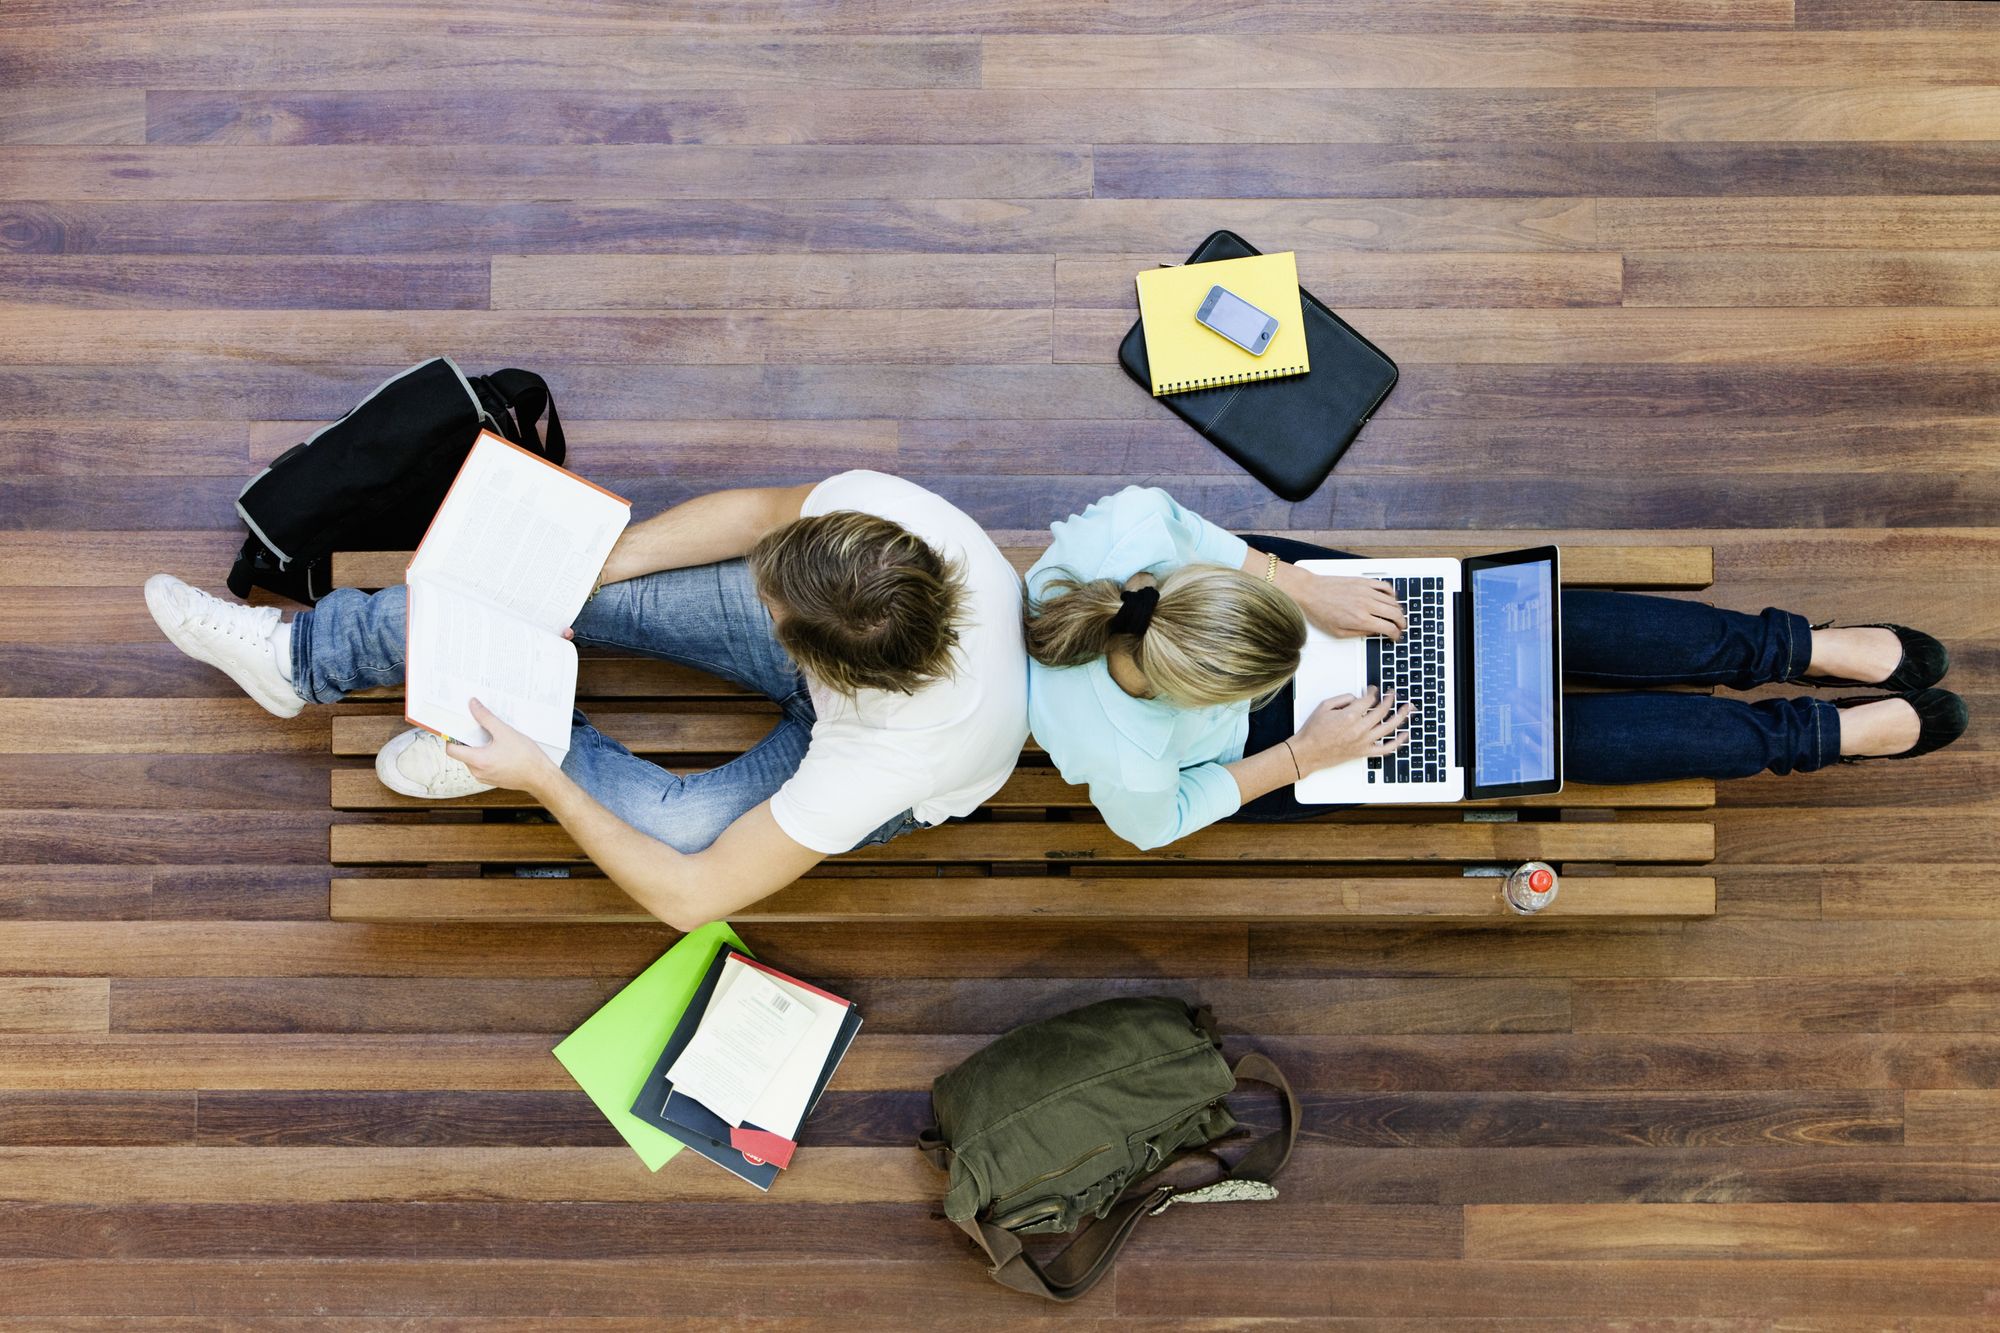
(1415,669)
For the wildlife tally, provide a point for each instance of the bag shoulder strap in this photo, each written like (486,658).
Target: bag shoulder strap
(528,394)
(1088,1258)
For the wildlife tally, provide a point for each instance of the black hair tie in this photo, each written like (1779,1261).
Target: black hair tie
(1135,611)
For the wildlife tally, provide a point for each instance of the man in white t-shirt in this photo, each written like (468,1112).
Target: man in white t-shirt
(882,621)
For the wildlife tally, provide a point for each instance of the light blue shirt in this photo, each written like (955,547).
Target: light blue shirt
(1154,769)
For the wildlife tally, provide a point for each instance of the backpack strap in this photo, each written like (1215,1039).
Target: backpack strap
(1088,1258)
(243,574)
(528,394)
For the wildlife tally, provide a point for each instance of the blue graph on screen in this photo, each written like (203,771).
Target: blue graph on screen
(1513,675)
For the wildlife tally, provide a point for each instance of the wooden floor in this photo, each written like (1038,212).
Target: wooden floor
(1723,266)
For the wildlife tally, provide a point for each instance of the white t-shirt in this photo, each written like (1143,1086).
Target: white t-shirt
(938,752)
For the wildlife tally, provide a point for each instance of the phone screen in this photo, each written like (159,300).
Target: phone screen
(1236,319)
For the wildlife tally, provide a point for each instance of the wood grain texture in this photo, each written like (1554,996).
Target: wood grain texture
(682,337)
(330,1175)
(1702,1231)
(141,282)
(837,115)
(1485,170)
(978,225)
(57,115)
(842,282)
(1898,114)
(1597,60)
(277,50)
(921,17)
(234,947)
(1963,1117)
(96,1119)
(1850,1003)
(1756,222)
(1811,278)
(1665,278)
(39,1004)
(494,174)
(1612,1289)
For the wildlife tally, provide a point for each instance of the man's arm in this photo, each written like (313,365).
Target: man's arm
(722,525)
(753,858)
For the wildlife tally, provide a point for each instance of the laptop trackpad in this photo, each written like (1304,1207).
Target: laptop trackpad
(1332,666)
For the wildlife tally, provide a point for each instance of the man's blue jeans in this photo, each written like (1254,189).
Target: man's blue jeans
(1642,733)
(707,617)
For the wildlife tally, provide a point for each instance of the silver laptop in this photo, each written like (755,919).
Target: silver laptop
(1481,665)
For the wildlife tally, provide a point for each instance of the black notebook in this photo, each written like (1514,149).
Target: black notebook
(1287,433)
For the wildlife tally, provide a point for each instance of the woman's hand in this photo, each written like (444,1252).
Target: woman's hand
(1345,606)
(509,759)
(1349,726)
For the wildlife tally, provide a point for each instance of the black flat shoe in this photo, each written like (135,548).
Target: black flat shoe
(1941,719)
(1924,662)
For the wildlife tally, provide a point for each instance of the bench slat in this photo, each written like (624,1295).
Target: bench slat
(1083,898)
(1635,565)
(1044,789)
(1040,843)
(623,678)
(652,732)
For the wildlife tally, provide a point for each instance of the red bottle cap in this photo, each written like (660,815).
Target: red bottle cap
(1540,880)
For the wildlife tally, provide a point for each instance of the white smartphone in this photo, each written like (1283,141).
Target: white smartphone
(1228,314)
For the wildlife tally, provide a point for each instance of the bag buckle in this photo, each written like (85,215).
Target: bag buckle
(1222,1191)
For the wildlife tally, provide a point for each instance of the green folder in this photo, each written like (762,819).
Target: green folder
(615,1049)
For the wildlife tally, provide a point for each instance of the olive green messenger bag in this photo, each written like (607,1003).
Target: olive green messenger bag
(1070,1119)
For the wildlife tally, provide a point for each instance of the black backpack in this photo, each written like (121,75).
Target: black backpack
(373,479)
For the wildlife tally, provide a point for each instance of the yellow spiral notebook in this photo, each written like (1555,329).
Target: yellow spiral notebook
(1183,354)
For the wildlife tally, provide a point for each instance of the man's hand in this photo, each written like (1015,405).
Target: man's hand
(510,759)
(1345,606)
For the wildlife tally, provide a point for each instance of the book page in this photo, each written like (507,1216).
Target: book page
(783,1104)
(461,648)
(745,1036)
(521,533)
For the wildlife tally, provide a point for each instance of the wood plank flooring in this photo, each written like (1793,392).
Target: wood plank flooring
(1723,266)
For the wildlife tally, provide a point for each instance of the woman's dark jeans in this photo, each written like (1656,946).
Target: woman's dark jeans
(1643,735)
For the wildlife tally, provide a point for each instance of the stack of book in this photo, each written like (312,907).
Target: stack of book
(712,1050)
(746,1064)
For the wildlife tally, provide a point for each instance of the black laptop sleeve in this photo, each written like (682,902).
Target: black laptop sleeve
(1287,433)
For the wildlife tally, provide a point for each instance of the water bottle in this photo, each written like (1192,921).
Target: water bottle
(1530,888)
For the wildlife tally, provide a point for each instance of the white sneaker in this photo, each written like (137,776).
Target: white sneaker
(415,764)
(234,639)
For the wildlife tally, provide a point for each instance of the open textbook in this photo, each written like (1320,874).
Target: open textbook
(507,563)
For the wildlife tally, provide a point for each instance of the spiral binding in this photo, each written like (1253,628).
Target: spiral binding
(1234,377)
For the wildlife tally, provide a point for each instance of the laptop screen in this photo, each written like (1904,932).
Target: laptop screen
(1514,673)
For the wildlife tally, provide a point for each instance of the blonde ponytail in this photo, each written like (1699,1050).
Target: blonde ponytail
(1217,636)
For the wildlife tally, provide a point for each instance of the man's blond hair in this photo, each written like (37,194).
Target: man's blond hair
(862,603)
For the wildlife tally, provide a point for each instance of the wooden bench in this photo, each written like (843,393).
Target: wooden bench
(1036,849)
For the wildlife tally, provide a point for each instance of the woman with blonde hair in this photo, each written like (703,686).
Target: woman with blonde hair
(1161,652)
